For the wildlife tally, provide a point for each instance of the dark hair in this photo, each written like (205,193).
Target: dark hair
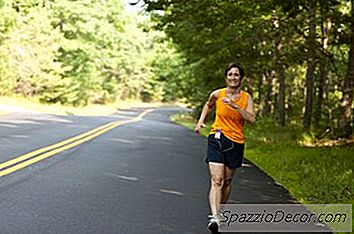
(232,65)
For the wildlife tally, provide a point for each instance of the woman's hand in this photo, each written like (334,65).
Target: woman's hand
(229,102)
(247,114)
(199,127)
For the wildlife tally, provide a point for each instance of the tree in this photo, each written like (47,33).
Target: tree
(311,42)
(346,121)
(280,43)
(31,52)
(80,52)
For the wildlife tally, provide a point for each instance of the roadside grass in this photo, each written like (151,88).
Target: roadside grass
(313,175)
(58,109)
(2,112)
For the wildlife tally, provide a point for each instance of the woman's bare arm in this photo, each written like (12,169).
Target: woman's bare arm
(208,106)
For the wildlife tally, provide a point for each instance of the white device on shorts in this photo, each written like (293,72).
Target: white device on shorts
(217,134)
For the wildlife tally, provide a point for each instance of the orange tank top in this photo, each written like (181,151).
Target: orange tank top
(228,120)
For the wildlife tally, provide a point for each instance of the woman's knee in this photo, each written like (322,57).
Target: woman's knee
(217,181)
(227,182)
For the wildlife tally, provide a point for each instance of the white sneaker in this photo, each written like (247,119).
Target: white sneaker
(214,224)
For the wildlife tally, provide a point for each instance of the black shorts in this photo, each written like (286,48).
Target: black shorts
(224,151)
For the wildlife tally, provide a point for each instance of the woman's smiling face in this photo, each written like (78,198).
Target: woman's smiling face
(233,78)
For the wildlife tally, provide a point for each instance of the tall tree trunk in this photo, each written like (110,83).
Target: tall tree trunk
(260,95)
(268,97)
(325,27)
(346,123)
(311,43)
(281,74)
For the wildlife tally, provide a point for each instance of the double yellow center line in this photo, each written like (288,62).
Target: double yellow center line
(25,160)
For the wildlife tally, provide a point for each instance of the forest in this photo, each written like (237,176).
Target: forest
(298,55)
(81,52)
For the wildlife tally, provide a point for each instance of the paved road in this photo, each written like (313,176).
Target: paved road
(142,177)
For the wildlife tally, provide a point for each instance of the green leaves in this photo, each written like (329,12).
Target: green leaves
(31,52)
(270,38)
(79,52)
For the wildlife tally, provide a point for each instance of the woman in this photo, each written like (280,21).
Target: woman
(226,138)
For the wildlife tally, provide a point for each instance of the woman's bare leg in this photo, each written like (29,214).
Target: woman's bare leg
(217,173)
(226,189)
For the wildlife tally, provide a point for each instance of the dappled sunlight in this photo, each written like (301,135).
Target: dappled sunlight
(327,143)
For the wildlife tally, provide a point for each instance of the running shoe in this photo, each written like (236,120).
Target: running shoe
(214,224)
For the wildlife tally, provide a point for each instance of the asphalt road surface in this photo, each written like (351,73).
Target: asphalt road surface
(147,176)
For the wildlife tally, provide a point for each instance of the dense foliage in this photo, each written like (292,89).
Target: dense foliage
(298,55)
(84,51)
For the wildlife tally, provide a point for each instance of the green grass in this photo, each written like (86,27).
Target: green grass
(314,175)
